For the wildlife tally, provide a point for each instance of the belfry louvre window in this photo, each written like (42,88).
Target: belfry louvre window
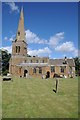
(17,49)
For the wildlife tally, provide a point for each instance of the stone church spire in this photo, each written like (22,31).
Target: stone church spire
(19,46)
(21,31)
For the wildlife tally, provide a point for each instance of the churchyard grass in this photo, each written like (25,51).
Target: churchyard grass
(35,98)
(0,97)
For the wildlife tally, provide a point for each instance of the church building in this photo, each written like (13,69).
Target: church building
(23,65)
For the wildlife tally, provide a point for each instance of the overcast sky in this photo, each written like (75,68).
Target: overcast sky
(51,28)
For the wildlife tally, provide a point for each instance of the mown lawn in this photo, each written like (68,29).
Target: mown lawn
(35,98)
(0,97)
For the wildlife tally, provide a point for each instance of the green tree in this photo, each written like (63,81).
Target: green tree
(5,61)
(77,65)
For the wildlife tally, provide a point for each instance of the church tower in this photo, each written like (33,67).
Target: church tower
(19,46)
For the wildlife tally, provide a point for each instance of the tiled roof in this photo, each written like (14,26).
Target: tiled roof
(55,62)
(71,62)
(58,62)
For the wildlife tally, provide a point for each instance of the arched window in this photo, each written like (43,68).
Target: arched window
(17,49)
(34,70)
(52,68)
(40,70)
(62,69)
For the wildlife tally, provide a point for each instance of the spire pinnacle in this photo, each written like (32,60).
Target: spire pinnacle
(21,32)
(22,9)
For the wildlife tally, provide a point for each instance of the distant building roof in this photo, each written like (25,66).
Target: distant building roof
(59,62)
